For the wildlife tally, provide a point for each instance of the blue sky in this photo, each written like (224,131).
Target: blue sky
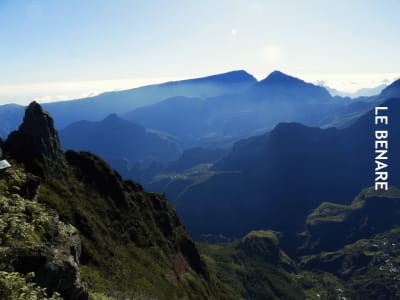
(66,48)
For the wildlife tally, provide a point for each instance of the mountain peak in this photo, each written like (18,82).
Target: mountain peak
(112,118)
(279,77)
(36,143)
(231,78)
(278,85)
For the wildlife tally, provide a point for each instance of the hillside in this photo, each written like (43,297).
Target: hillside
(331,226)
(351,252)
(132,242)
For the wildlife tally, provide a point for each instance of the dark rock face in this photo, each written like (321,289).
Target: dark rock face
(110,185)
(118,221)
(36,144)
(55,265)
(1,148)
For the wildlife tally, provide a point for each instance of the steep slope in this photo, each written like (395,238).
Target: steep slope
(351,252)
(121,143)
(255,266)
(368,268)
(36,144)
(358,244)
(331,226)
(98,107)
(38,251)
(132,242)
(287,173)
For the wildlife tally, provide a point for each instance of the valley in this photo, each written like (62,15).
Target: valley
(283,209)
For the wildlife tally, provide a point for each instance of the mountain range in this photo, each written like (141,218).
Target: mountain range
(288,171)
(232,87)
(290,205)
(277,98)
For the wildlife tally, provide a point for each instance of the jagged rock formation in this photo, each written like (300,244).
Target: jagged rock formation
(36,144)
(132,241)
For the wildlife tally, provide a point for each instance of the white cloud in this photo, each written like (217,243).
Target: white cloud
(350,82)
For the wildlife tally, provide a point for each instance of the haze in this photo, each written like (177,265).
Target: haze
(53,50)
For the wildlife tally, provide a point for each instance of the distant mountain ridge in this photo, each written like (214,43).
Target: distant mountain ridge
(234,83)
(277,98)
(119,102)
(120,142)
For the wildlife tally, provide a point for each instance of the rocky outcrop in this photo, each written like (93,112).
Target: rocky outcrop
(132,241)
(36,144)
(55,264)
(34,240)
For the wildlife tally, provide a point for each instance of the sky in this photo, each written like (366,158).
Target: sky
(53,50)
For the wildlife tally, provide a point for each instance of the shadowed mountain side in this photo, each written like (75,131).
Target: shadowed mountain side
(174,175)
(286,173)
(120,142)
(278,98)
(133,242)
(331,226)
(36,144)
(349,252)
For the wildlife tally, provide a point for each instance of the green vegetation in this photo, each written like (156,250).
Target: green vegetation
(26,229)
(133,245)
(365,262)
(175,184)
(132,241)
(14,286)
(255,267)
(368,268)
(79,219)
(332,226)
